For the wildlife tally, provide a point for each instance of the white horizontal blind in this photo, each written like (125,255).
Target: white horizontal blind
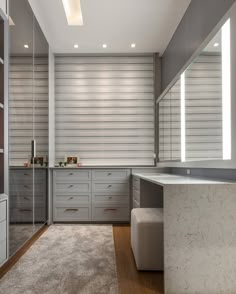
(105,109)
(204,108)
(28,107)
(170,125)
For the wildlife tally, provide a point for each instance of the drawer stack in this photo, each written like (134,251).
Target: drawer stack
(72,195)
(110,195)
(136,191)
(3,231)
(23,185)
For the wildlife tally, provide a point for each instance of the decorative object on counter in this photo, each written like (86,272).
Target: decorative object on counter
(26,164)
(79,164)
(72,160)
(37,161)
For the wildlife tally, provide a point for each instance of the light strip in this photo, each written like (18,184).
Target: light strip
(73,12)
(182,111)
(226,90)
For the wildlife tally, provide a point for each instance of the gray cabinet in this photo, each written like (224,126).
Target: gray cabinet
(71,195)
(91,195)
(3,229)
(27,196)
(110,195)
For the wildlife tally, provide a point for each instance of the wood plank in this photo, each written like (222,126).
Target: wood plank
(129,279)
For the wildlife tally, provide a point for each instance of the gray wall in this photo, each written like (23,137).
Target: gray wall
(199,20)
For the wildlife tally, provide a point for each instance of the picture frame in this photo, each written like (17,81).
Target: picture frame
(71,160)
(37,161)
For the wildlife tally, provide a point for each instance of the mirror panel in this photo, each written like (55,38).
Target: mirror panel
(195,114)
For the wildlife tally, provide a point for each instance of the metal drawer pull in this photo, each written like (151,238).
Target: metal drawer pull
(109,174)
(109,186)
(70,174)
(26,198)
(26,174)
(110,197)
(25,186)
(110,209)
(70,186)
(71,198)
(72,209)
(25,210)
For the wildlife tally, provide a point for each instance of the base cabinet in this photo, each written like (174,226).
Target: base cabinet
(91,195)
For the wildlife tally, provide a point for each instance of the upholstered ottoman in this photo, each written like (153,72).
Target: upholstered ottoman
(147,240)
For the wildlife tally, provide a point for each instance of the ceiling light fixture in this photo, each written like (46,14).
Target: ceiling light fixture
(133,45)
(26,46)
(104,46)
(216,44)
(76,46)
(73,12)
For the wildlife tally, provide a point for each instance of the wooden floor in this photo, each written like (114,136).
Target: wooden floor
(130,280)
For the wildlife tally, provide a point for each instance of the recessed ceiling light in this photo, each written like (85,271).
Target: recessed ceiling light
(104,45)
(73,12)
(76,46)
(26,46)
(216,44)
(133,45)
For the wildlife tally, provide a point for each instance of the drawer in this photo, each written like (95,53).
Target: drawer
(72,199)
(78,213)
(3,251)
(136,204)
(3,231)
(136,183)
(27,189)
(111,174)
(110,213)
(27,201)
(111,187)
(71,176)
(136,195)
(25,215)
(27,177)
(67,188)
(114,199)
(3,210)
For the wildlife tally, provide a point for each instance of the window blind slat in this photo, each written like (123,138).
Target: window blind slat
(104,109)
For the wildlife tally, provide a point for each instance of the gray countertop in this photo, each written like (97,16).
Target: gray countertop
(169,179)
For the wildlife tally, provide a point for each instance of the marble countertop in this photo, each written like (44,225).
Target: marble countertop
(3,197)
(168,179)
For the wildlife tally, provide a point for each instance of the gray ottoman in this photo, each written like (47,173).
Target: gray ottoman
(147,240)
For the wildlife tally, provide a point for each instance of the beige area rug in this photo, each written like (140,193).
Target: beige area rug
(67,259)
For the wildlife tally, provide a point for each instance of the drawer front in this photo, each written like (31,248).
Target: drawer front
(136,183)
(25,215)
(114,199)
(3,251)
(81,213)
(3,231)
(136,195)
(136,204)
(24,176)
(72,199)
(111,187)
(110,213)
(110,174)
(63,188)
(27,201)
(70,176)
(3,210)
(27,189)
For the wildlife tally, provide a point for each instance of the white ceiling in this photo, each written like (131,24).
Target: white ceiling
(149,24)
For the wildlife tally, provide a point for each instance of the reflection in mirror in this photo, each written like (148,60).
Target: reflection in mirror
(28,111)
(170,125)
(203,104)
(195,114)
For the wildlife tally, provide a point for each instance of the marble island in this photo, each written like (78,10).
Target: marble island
(199,233)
